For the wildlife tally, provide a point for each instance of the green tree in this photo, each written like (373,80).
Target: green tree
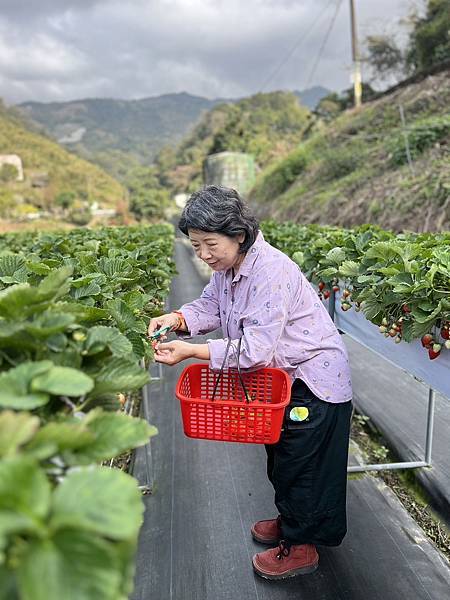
(148,198)
(332,105)
(429,42)
(65,199)
(384,57)
(149,204)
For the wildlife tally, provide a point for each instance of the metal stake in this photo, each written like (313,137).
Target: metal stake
(430,424)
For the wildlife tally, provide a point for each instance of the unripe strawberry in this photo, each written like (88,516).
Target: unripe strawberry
(385,322)
(346,293)
(392,332)
(398,339)
(447,344)
(437,347)
(382,329)
(79,336)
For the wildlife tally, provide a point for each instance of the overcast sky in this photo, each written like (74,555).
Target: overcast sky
(53,50)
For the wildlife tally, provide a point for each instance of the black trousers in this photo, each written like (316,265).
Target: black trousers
(308,469)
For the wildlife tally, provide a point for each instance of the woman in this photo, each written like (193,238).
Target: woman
(260,295)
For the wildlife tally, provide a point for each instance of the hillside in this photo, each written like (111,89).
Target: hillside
(354,169)
(120,134)
(55,181)
(268,126)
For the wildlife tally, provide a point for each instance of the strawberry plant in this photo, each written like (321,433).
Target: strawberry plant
(74,309)
(400,282)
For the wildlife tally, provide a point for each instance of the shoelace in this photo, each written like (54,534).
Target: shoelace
(284,549)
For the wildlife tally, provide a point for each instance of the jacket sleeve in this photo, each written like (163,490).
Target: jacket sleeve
(202,315)
(263,322)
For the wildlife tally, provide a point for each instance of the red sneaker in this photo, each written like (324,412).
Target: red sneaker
(286,561)
(267,532)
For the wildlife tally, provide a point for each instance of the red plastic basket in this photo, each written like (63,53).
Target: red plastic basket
(229,417)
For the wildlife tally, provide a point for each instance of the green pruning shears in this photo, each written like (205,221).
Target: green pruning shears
(155,336)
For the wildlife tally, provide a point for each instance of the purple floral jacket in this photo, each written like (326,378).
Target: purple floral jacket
(274,309)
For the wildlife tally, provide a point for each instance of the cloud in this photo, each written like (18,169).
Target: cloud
(67,49)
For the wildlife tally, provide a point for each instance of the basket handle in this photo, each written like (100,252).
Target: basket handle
(246,394)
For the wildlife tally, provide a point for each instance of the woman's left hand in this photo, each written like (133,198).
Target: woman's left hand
(171,353)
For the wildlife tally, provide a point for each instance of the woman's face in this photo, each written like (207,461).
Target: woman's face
(219,251)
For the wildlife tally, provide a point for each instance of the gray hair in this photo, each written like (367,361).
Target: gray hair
(220,210)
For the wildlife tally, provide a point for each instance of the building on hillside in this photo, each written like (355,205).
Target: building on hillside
(15,161)
(230,169)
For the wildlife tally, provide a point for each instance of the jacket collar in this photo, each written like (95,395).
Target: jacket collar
(250,257)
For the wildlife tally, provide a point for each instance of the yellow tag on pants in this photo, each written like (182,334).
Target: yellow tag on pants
(299,413)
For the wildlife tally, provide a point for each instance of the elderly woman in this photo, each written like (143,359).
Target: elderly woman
(259,295)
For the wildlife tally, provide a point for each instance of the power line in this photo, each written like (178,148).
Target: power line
(301,39)
(322,47)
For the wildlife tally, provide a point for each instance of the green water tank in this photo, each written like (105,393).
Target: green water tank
(230,169)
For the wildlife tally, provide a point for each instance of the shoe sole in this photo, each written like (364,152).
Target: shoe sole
(265,541)
(288,574)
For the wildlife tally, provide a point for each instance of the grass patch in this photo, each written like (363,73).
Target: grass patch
(422,134)
(282,175)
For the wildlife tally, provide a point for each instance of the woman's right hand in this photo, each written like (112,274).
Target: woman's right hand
(171,320)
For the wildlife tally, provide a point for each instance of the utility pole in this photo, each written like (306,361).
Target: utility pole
(356,58)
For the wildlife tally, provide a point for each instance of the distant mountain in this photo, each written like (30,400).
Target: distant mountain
(312,96)
(119,134)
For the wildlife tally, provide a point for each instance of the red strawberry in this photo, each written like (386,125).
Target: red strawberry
(321,285)
(432,354)
(346,293)
(445,333)
(336,288)
(326,294)
(406,309)
(426,340)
